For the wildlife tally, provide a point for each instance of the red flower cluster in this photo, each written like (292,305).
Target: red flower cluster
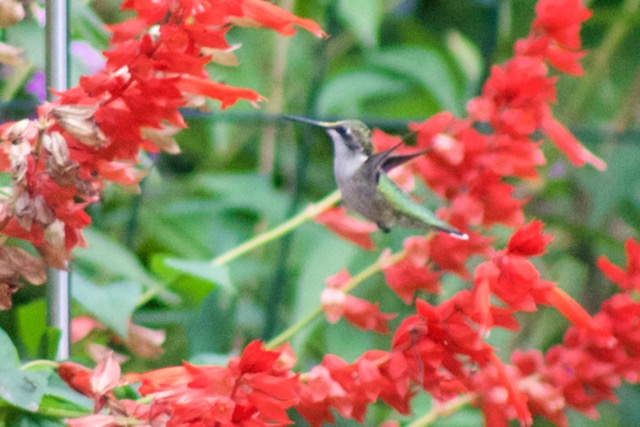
(94,132)
(256,389)
(440,349)
(587,367)
(467,167)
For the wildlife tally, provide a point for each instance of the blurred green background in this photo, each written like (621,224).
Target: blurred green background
(242,171)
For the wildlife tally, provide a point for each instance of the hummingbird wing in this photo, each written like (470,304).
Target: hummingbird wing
(403,203)
(384,161)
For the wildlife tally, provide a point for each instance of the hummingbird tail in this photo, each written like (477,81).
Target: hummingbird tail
(454,233)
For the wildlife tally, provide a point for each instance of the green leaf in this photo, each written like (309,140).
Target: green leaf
(211,329)
(321,255)
(250,191)
(23,389)
(177,231)
(468,60)
(15,80)
(346,94)
(363,17)
(425,67)
(49,342)
(87,25)
(111,304)
(32,320)
(111,259)
(608,190)
(27,419)
(59,396)
(192,279)
(28,35)
(8,353)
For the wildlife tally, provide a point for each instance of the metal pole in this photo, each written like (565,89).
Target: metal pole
(57,72)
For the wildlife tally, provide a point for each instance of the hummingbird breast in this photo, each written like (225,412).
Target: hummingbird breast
(361,195)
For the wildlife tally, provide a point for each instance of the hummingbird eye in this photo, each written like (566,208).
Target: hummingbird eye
(344,131)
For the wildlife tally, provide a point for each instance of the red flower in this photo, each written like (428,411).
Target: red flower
(628,280)
(361,313)
(413,272)
(347,227)
(528,240)
(227,95)
(561,20)
(511,277)
(567,143)
(350,388)
(97,383)
(255,389)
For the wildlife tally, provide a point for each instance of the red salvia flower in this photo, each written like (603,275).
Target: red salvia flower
(93,133)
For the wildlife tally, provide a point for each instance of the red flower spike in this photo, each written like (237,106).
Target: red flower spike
(347,227)
(95,131)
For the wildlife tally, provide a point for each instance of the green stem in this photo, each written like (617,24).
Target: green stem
(443,410)
(309,213)
(290,331)
(63,413)
(356,280)
(599,67)
(33,363)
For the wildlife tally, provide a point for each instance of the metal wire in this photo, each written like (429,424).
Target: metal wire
(57,72)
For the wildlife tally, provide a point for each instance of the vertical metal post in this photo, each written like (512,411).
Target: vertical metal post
(57,72)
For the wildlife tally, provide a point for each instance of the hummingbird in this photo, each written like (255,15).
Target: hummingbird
(365,186)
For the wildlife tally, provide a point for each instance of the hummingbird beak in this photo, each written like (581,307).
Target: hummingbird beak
(325,125)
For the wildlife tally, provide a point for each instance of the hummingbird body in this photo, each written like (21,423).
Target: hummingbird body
(362,178)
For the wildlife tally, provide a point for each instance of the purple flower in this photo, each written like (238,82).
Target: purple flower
(37,85)
(88,56)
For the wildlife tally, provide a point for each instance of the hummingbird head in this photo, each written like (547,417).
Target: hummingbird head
(354,135)
(351,144)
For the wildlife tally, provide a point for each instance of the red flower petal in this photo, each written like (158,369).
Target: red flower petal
(347,227)
(227,95)
(269,15)
(528,240)
(568,144)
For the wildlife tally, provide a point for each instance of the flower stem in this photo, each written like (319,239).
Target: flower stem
(443,410)
(309,213)
(356,280)
(291,330)
(35,363)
